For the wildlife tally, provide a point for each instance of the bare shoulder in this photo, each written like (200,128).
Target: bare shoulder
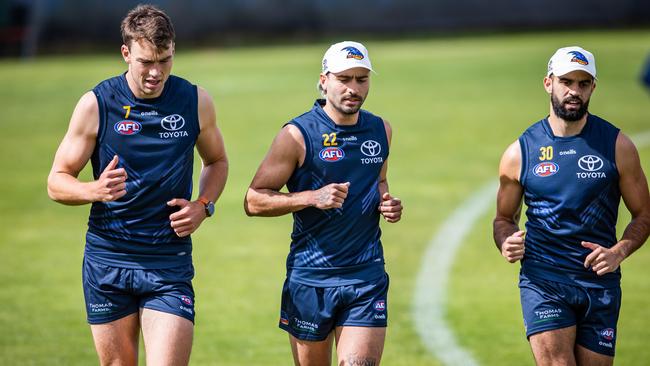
(85,118)
(206,109)
(510,165)
(624,143)
(203,95)
(291,134)
(627,156)
(87,104)
(389,129)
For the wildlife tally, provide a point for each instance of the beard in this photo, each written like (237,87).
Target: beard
(566,114)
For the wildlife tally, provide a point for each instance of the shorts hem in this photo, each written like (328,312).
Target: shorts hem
(530,333)
(303,337)
(109,319)
(179,314)
(600,352)
(362,324)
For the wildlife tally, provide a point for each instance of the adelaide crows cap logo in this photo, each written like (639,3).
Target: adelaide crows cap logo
(579,58)
(353,53)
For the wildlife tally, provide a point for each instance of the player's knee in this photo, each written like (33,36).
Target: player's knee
(355,360)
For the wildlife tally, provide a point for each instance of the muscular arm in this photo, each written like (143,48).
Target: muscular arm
(507,236)
(390,207)
(73,154)
(214,172)
(634,189)
(210,146)
(287,152)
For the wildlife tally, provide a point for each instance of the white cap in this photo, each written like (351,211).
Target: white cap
(346,55)
(569,59)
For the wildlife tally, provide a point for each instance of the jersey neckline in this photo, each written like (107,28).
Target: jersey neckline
(318,106)
(549,131)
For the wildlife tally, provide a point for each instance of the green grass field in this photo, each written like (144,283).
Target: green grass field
(454,103)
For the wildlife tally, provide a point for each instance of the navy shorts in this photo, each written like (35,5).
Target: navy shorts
(311,313)
(549,305)
(112,293)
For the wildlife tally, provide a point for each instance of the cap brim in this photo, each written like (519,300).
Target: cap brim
(336,70)
(564,71)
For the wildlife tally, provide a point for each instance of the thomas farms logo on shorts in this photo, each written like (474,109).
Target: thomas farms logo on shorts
(545,169)
(305,325)
(331,154)
(106,307)
(127,128)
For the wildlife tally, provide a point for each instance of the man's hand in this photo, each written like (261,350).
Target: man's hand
(111,184)
(188,218)
(512,249)
(602,260)
(390,208)
(331,196)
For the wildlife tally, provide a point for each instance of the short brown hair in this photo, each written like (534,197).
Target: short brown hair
(149,23)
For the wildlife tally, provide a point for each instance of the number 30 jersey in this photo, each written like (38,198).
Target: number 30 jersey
(571,189)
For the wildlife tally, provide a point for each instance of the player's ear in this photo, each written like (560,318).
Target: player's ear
(321,84)
(126,53)
(548,84)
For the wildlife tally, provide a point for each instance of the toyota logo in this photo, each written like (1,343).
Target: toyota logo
(173,122)
(590,163)
(370,148)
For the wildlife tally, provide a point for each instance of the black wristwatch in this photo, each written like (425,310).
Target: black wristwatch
(209,206)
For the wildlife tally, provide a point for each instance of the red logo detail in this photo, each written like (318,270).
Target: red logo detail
(545,169)
(331,154)
(186,300)
(127,127)
(380,305)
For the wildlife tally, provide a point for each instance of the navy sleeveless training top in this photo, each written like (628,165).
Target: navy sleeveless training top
(154,140)
(338,246)
(572,192)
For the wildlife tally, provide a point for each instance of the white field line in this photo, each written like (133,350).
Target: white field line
(429,304)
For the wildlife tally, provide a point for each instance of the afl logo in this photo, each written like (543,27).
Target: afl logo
(545,169)
(127,127)
(590,163)
(173,122)
(607,334)
(331,154)
(380,305)
(370,148)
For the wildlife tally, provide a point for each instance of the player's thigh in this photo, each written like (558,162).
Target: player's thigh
(554,347)
(167,337)
(586,357)
(597,329)
(359,345)
(116,342)
(308,313)
(311,353)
